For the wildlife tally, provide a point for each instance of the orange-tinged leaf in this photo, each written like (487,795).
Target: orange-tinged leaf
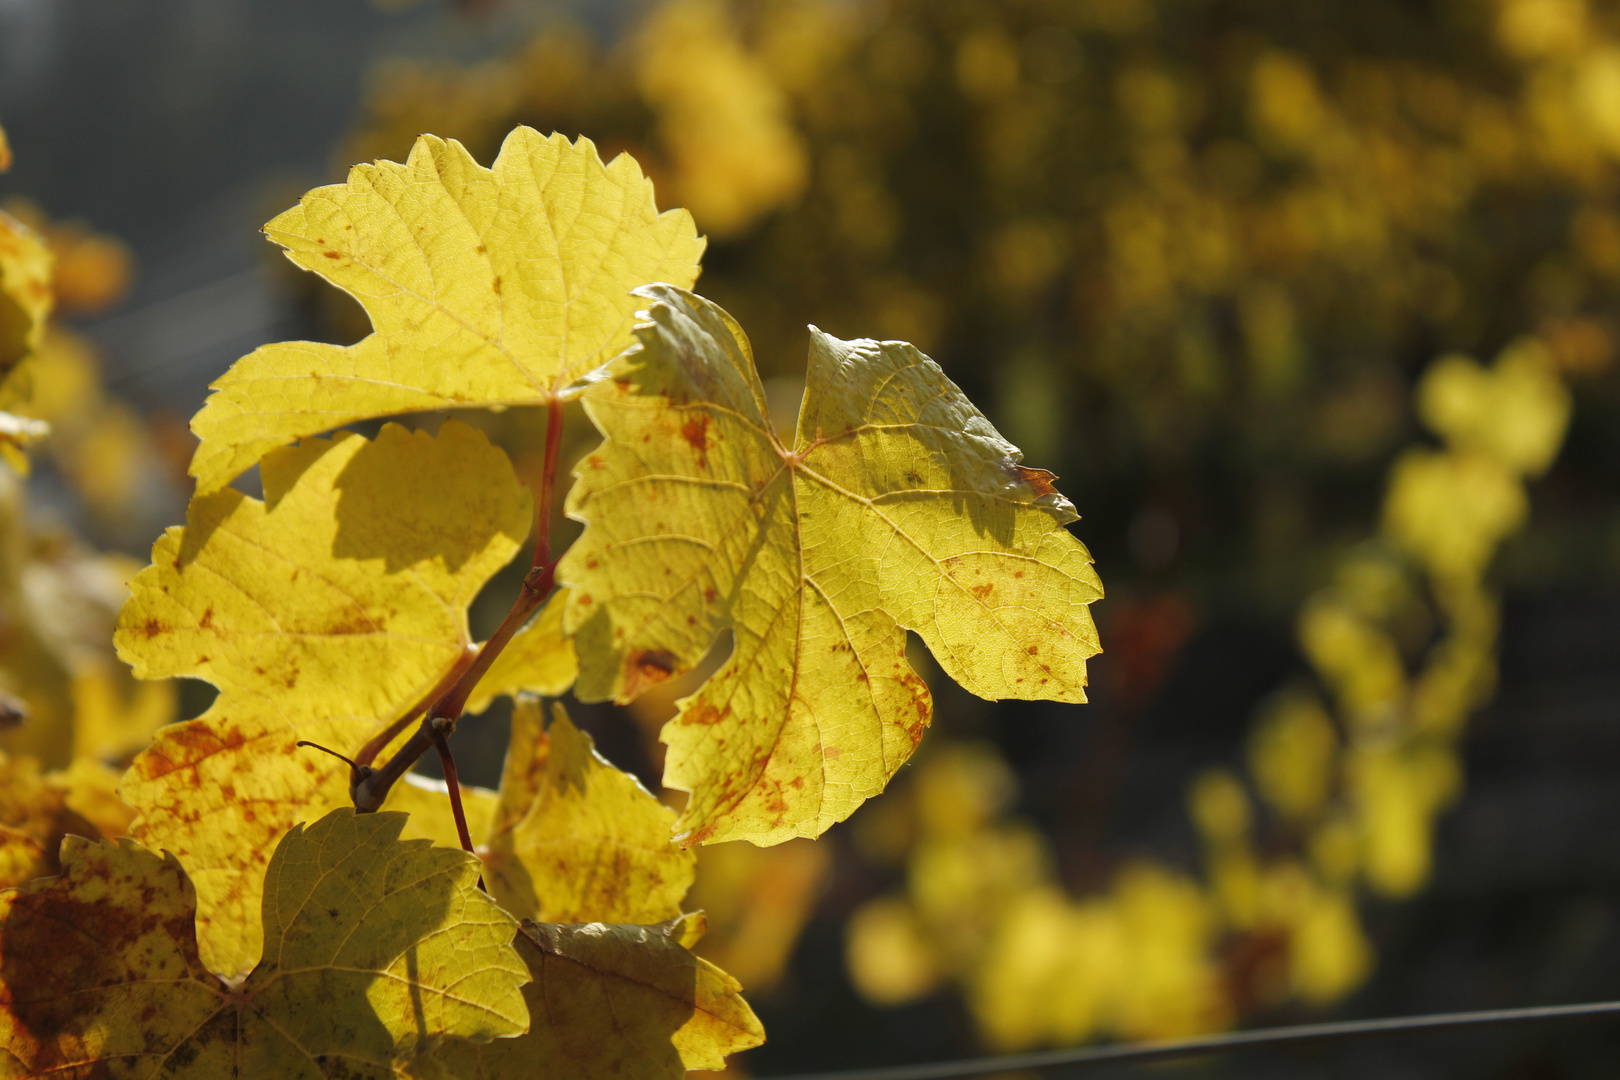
(372,945)
(620,1001)
(323,613)
(898,507)
(575,839)
(497,286)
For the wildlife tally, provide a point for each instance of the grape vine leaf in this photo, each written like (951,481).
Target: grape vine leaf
(25,305)
(899,507)
(373,946)
(576,840)
(323,613)
(611,1000)
(37,809)
(494,286)
(538,660)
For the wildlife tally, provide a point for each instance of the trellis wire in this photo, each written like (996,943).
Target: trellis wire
(1214,1044)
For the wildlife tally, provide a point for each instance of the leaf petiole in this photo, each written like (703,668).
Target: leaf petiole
(439,723)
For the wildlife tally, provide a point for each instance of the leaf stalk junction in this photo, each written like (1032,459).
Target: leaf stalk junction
(440,709)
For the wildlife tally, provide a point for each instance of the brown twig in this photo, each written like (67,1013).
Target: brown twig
(439,723)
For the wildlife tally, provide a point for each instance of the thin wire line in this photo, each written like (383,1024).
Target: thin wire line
(1179,1048)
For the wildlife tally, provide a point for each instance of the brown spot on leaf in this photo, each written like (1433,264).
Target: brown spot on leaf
(647,668)
(982,591)
(585,599)
(1040,481)
(496,284)
(331,255)
(207,619)
(704,714)
(696,433)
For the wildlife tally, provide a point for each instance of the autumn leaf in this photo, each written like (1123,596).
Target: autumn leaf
(538,660)
(575,839)
(494,286)
(372,945)
(37,809)
(622,1001)
(322,613)
(899,507)
(25,304)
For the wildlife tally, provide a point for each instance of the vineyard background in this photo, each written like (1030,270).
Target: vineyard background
(1193,256)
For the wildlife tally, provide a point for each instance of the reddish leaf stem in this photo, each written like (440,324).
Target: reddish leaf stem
(379,742)
(439,723)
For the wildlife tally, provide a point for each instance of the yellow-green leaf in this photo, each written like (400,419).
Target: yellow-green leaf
(576,840)
(611,1001)
(323,613)
(538,660)
(484,286)
(372,945)
(898,507)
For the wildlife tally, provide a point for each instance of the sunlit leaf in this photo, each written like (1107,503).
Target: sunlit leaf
(576,840)
(484,286)
(899,507)
(538,660)
(620,1001)
(371,945)
(322,613)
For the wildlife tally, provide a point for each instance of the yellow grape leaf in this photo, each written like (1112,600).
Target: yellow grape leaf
(323,613)
(38,809)
(25,304)
(622,1001)
(1517,411)
(494,286)
(538,660)
(427,801)
(900,507)
(577,840)
(371,946)
(1451,510)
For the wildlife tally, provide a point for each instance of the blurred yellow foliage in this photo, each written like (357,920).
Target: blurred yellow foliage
(1206,229)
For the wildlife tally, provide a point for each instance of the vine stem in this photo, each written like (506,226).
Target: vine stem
(370,788)
(1214,1044)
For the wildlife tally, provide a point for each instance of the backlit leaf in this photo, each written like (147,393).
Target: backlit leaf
(25,304)
(620,1001)
(484,286)
(538,660)
(577,840)
(371,945)
(323,613)
(899,507)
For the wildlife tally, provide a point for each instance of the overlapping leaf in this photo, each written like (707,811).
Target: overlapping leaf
(372,947)
(620,1001)
(576,840)
(323,613)
(898,507)
(538,660)
(484,287)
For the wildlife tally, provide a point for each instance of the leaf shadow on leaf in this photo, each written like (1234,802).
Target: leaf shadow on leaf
(374,502)
(203,517)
